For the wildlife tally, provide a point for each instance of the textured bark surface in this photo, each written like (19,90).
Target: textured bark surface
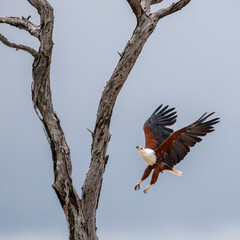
(81,212)
(101,135)
(42,101)
(146,24)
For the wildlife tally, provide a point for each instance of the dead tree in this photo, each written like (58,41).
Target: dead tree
(80,212)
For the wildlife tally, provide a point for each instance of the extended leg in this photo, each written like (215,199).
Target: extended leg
(146,173)
(154,178)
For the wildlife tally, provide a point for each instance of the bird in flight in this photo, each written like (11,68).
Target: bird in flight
(165,148)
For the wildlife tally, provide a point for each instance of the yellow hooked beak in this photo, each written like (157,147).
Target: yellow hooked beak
(139,148)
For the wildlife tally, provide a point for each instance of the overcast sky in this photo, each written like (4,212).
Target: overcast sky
(190,62)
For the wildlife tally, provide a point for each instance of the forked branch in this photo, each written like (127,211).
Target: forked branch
(92,186)
(42,101)
(142,7)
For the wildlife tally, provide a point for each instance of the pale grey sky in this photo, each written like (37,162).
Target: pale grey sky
(190,62)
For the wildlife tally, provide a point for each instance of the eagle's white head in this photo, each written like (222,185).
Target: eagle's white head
(148,155)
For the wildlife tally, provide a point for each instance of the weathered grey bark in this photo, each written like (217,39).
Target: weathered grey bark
(81,212)
(92,186)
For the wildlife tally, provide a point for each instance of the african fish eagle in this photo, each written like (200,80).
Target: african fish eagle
(165,148)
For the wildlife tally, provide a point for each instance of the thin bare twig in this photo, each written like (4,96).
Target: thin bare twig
(22,23)
(90,132)
(30,50)
(171,9)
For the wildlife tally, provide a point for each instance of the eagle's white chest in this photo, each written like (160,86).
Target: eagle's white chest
(148,156)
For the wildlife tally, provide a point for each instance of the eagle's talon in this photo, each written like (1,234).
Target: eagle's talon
(137,187)
(146,189)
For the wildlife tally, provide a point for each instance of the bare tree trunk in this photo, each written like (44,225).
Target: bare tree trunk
(101,135)
(81,213)
(92,186)
(42,101)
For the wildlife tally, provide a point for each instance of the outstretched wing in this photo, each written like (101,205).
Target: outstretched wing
(178,144)
(155,128)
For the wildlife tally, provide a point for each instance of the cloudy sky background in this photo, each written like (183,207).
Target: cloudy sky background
(190,62)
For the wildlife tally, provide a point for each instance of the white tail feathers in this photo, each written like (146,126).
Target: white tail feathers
(176,172)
